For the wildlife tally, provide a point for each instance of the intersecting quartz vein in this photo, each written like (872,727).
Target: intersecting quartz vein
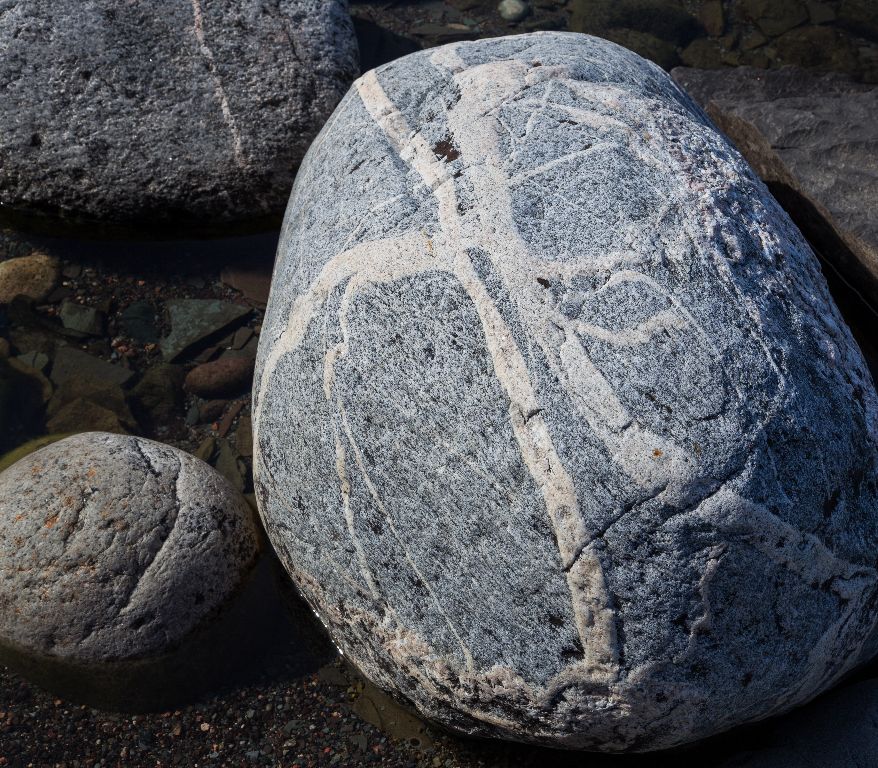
(475,127)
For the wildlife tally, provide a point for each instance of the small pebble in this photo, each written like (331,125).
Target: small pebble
(221,378)
(513,10)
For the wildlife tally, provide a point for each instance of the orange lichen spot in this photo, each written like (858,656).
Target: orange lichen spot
(91,472)
(36,469)
(19,516)
(657,452)
(51,520)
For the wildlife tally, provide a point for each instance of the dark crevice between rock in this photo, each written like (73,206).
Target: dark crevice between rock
(854,290)
(379,45)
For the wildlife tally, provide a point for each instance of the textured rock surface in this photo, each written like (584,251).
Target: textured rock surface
(74,364)
(556,424)
(115,547)
(813,139)
(181,110)
(33,276)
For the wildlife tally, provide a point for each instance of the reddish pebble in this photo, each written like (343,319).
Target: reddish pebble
(221,378)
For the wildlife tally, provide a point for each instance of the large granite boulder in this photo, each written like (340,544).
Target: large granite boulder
(183,110)
(115,548)
(813,139)
(556,424)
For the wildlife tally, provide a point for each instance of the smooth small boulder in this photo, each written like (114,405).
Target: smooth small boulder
(116,548)
(556,424)
(33,276)
(221,378)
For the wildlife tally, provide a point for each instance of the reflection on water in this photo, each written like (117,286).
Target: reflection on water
(266,634)
(141,253)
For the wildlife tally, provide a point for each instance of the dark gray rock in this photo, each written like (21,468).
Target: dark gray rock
(645,44)
(659,18)
(158,396)
(556,425)
(107,396)
(36,377)
(195,321)
(88,321)
(138,320)
(21,405)
(115,548)
(183,110)
(36,360)
(85,415)
(860,16)
(774,17)
(71,363)
(813,139)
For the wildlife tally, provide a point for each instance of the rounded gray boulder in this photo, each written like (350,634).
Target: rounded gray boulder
(183,110)
(115,548)
(556,424)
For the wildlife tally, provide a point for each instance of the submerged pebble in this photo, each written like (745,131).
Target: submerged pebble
(513,10)
(33,276)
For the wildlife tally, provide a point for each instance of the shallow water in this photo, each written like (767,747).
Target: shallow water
(839,35)
(265,633)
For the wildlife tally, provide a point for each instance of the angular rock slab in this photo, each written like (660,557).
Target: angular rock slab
(115,548)
(185,110)
(195,320)
(813,139)
(556,424)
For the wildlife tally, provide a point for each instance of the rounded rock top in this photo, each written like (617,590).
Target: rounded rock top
(33,276)
(185,111)
(115,548)
(556,424)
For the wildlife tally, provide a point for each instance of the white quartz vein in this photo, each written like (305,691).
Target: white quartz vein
(651,461)
(594,617)
(476,126)
(223,99)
